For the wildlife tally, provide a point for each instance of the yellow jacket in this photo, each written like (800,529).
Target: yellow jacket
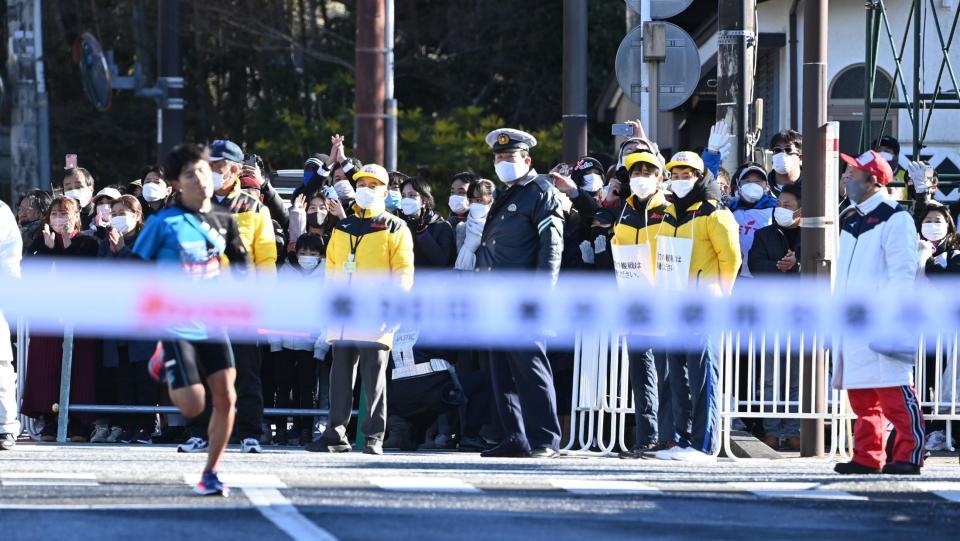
(383,244)
(641,226)
(256,228)
(716,258)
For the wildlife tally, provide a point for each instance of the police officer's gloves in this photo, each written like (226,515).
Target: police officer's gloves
(586,252)
(918,175)
(600,244)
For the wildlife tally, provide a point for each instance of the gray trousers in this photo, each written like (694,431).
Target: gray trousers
(343,376)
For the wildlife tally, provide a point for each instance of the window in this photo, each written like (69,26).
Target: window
(846,106)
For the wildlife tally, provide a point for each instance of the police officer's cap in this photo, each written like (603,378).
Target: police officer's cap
(510,140)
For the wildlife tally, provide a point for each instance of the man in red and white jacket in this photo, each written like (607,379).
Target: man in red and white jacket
(878,250)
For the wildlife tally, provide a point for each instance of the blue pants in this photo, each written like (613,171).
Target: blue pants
(525,397)
(694,383)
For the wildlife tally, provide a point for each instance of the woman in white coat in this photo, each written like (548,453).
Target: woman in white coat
(11,250)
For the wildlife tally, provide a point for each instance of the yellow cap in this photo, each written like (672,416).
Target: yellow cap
(641,157)
(686,159)
(374,171)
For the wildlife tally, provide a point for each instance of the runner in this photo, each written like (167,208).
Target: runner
(201,239)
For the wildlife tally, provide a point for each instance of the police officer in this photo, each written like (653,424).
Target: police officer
(524,231)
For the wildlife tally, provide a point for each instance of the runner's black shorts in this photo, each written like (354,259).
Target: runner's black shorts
(190,362)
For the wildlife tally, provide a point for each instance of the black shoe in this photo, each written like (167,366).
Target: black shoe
(852,468)
(901,468)
(642,451)
(141,436)
(7,441)
(126,436)
(474,444)
(544,452)
(324,447)
(507,449)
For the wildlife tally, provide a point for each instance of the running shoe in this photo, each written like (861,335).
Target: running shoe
(210,485)
(193,445)
(155,365)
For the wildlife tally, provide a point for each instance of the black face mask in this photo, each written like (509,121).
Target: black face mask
(316,219)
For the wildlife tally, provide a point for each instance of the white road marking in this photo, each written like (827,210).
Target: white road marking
(424,484)
(948,490)
(598,486)
(285,516)
(795,490)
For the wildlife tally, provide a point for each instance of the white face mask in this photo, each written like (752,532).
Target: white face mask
(121,224)
(751,192)
(887,156)
(458,204)
(82,195)
(217,180)
(479,211)
(409,206)
(784,217)
(153,192)
(367,197)
(933,231)
(308,262)
(682,187)
(643,187)
(510,171)
(592,183)
(344,189)
(784,163)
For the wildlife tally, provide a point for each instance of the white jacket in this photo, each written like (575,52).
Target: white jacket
(11,251)
(878,251)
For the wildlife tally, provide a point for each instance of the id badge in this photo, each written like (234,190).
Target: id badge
(350,266)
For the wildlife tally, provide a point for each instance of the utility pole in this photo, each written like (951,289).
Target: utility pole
(369,81)
(815,226)
(170,104)
(29,123)
(735,62)
(574,79)
(390,101)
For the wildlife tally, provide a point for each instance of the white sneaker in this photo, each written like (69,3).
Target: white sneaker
(115,433)
(665,454)
(936,441)
(250,445)
(100,434)
(689,454)
(193,445)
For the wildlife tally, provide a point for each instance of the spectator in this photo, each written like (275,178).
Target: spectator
(375,241)
(103,203)
(31,210)
(156,194)
(78,184)
(713,260)
(939,245)
(11,252)
(878,251)
(787,148)
(394,193)
(259,241)
(458,202)
(776,248)
(298,362)
(61,239)
(433,239)
(480,195)
(318,217)
(752,208)
(888,147)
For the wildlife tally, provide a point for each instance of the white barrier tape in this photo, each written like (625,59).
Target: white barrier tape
(482,309)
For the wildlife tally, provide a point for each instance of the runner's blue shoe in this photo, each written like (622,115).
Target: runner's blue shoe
(210,485)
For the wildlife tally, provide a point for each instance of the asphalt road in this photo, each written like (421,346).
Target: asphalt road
(143,492)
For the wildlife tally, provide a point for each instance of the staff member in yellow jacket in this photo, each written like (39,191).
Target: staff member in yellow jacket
(697,248)
(257,236)
(642,219)
(370,241)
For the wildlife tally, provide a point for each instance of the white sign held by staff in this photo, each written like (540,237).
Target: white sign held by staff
(673,262)
(632,264)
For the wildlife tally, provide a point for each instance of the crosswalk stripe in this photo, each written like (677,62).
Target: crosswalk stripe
(48,479)
(948,490)
(795,490)
(600,486)
(424,484)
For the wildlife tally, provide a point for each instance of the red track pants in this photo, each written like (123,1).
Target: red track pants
(874,407)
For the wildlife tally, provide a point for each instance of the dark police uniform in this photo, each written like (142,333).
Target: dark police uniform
(524,231)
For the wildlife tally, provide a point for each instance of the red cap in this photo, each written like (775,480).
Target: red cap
(872,163)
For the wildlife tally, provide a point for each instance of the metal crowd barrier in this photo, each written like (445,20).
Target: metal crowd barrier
(602,401)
